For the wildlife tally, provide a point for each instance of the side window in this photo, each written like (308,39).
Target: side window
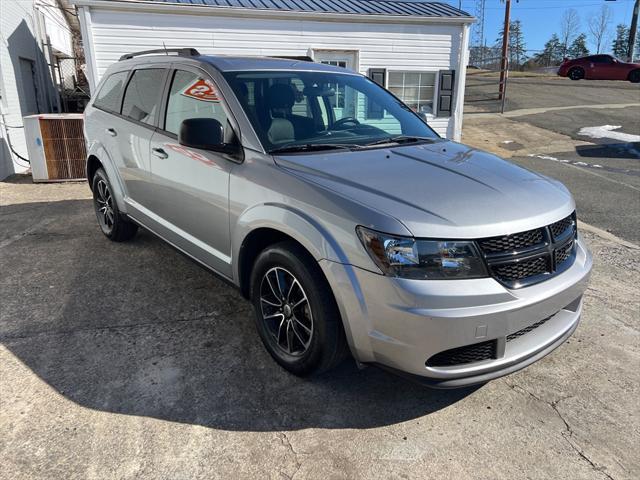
(109,96)
(192,96)
(142,96)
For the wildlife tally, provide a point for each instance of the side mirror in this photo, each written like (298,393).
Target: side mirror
(205,134)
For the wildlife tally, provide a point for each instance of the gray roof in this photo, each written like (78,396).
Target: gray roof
(357,7)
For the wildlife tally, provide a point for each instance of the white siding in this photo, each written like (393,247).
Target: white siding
(414,47)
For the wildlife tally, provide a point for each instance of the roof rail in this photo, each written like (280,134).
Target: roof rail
(301,58)
(183,52)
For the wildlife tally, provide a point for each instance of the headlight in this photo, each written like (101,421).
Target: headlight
(416,259)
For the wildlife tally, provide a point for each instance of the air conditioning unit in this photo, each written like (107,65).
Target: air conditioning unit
(55,143)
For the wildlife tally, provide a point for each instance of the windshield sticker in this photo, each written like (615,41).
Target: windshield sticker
(202,89)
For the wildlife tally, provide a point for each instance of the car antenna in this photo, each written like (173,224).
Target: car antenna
(165,49)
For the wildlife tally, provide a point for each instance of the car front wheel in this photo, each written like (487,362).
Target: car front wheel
(634,76)
(296,314)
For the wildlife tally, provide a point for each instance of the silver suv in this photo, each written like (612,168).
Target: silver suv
(339,213)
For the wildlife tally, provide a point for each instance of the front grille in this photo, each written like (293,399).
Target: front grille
(558,228)
(563,253)
(509,272)
(462,355)
(509,243)
(526,330)
(524,258)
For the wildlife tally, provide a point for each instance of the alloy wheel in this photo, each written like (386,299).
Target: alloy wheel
(286,312)
(104,205)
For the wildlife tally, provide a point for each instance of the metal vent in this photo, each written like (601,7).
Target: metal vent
(462,355)
(526,330)
(64,148)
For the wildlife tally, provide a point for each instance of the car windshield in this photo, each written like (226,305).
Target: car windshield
(312,111)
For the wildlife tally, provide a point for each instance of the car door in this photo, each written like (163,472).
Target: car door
(141,103)
(601,67)
(191,186)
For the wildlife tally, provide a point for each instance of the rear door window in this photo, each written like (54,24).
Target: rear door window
(142,96)
(110,94)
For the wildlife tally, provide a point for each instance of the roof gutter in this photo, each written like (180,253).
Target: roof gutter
(185,9)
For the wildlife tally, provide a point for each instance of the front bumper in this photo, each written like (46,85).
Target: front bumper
(400,324)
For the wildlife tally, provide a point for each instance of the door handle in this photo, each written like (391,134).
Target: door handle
(112,132)
(159,152)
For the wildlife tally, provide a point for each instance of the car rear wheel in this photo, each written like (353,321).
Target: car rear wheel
(576,73)
(112,223)
(295,311)
(634,76)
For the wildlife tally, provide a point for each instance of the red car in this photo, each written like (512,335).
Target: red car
(600,67)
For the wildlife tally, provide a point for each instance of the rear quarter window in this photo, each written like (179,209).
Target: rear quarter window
(109,96)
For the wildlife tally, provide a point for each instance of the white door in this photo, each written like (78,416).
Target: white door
(343,105)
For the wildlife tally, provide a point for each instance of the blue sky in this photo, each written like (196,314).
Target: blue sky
(541,18)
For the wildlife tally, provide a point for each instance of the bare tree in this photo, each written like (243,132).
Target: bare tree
(599,26)
(569,28)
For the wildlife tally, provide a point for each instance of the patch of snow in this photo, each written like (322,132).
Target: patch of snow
(607,131)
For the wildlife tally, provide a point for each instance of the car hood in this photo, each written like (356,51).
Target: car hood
(442,189)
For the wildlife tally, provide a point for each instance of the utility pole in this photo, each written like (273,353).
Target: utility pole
(504,64)
(632,32)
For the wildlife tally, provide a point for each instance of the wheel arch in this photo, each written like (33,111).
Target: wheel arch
(268,224)
(98,157)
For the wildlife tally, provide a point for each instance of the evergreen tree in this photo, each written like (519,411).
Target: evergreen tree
(579,47)
(517,52)
(517,47)
(552,53)
(621,42)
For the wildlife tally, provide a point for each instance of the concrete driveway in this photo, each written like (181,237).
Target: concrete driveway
(129,361)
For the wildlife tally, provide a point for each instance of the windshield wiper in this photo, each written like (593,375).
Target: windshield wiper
(400,139)
(312,147)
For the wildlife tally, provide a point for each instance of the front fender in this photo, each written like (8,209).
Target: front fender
(324,248)
(96,149)
(291,221)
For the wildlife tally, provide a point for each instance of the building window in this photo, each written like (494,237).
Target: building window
(337,101)
(416,89)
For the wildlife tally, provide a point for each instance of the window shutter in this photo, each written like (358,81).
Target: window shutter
(445,93)
(379,76)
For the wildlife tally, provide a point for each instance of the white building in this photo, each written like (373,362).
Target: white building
(418,50)
(33,35)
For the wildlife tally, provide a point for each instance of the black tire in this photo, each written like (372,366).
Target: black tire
(327,345)
(634,76)
(576,73)
(113,224)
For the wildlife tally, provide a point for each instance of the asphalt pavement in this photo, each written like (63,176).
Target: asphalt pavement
(595,151)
